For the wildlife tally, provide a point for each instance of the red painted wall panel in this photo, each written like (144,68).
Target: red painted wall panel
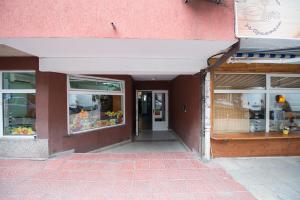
(59,140)
(187,125)
(19,63)
(152,85)
(51,110)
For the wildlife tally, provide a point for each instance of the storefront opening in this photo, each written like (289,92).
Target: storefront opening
(249,103)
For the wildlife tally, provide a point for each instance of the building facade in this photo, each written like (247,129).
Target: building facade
(78,76)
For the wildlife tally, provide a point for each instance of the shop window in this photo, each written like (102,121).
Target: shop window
(284,111)
(240,103)
(18,103)
(96,106)
(239,113)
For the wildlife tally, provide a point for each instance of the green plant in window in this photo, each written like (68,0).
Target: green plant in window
(119,114)
(112,121)
(110,114)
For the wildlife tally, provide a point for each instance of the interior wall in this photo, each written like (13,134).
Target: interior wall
(186,109)
(59,140)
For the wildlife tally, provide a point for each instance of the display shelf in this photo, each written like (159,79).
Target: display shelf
(255,136)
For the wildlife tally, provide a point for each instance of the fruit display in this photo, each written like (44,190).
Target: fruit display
(85,120)
(83,114)
(115,117)
(22,131)
(103,123)
(114,114)
(80,121)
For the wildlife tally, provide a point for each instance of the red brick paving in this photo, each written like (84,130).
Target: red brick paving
(113,176)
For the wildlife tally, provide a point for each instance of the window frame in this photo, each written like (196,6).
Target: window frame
(13,91)
(237,73)
(267,91)
(269,76)
(94,92)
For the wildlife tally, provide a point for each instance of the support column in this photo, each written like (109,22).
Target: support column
(207,119)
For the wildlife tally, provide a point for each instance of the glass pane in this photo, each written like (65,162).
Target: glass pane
(145,110)
(159,107)
(284,111)
(239,113)
(19,114)
(239,81)
(84,110)
(18,80)
(285,82)
(94,111)
(111,110)
(95,85)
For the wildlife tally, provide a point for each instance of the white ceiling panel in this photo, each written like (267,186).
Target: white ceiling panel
(119,56)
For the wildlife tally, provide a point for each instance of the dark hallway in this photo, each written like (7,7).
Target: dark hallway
(145,110)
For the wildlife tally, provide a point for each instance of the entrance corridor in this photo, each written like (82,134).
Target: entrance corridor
(149,135)
(150,141)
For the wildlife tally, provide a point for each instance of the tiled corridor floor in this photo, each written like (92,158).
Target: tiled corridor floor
(149,135)
(138,147)
(149,141)
(111,176)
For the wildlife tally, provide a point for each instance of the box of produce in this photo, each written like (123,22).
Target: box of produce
(22,131)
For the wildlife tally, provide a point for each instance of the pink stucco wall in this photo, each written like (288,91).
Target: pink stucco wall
(155,19)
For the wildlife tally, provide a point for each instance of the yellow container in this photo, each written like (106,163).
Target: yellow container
(285,131)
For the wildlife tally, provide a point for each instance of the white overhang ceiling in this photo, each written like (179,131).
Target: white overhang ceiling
(268,44)
(6,51)
(144,59)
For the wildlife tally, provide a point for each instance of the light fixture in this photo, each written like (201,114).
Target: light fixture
(153,79)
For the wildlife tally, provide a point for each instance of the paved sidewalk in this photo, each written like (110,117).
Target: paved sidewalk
(267,178)
(111,176)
